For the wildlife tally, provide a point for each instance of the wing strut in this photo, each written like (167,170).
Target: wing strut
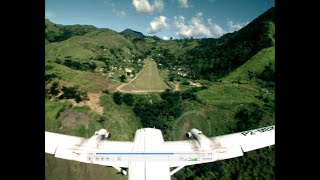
(120,170)
(176,170)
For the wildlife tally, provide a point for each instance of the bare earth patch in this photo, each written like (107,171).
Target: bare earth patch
(102,82)
(147,80)
(71,118)
(93,102)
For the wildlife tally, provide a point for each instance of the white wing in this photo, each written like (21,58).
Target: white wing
(223,147)
(77,148)
(216,148)
(249,140)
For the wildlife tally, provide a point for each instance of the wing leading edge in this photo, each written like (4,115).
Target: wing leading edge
(215,148)
(76,148)
(225,146)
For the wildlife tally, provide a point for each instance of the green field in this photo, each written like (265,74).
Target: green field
(211,109)
(213,115)
(87,81)
(62,117)
(61,169)
(255,64)
(148,80)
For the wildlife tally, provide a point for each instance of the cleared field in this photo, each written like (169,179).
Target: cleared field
(211,119)
(62,117)
(61,169)
(256,64)
(148,80)
(88,81)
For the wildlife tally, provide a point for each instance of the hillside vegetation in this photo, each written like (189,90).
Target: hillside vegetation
(219,86)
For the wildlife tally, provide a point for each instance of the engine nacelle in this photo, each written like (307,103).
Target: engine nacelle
(103,133)
(189,135)
(203,140)
(123,171)
(97,137)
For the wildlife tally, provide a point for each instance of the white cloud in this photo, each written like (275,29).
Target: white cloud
(143,6)
(183,3)
(235,26)
(165,38)
(216,30)
(197,27)
(158,24)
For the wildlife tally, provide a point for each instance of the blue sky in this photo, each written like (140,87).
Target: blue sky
(163,18)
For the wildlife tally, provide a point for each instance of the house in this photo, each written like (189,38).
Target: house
(129,71)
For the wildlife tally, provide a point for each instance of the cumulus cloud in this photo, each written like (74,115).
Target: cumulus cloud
(216,30)
(143,6)
(235,26)
(183,3)
(158,24)
(165,38)
(197,27)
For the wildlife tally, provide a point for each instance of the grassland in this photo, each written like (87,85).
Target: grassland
(219,103)
(86,46)
(120,119)
(255,64)
(87,81)
(213,113)
(64,118)
(148,80)
(60,169)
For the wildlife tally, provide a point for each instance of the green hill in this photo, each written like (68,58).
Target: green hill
(131,32)
(235,75)
(90,46)
(56,33)
(256,64)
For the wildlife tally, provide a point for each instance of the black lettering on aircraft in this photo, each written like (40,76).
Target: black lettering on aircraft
(245,133)
(253,132)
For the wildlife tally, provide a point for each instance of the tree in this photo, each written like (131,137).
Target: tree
(248,117)
(185,82)
(128,99)
(170,97)
(268,74)
(122,78)
(54,89)
(101,119)
(70,92)
(117,98)
(188,95)
(78,98)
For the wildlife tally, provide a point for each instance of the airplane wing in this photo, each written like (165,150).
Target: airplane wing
(77,148)
(199,150)
(223,147)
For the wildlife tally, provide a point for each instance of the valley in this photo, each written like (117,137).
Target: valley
(98,78)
